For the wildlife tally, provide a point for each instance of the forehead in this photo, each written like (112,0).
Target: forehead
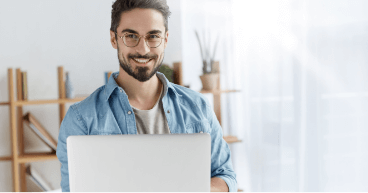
(141,20)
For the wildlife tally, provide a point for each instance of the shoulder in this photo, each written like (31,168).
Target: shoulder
(91,103)
(188,95)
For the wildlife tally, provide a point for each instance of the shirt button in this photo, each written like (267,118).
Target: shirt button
(168,111)
(129,112)
(121,90)
(201,132)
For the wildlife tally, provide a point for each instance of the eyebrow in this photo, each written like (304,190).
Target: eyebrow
(150,32)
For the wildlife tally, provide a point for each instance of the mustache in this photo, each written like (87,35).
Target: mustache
(147,56)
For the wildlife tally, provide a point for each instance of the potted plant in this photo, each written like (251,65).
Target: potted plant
(210,74)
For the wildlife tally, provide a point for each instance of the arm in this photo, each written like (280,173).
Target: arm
(221,164)
(218,185)
(72,125)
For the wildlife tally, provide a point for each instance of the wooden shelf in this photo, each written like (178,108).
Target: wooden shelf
(51,101)
(4,103)
(35,157)
(31,157)
(231,139)
(7,158)
(217,91)
(48,101)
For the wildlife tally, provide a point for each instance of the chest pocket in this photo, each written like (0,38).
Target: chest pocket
(104,125)
(111,129)
(198,127)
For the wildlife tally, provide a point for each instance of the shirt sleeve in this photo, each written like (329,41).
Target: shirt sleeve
(72,124)
(221,164)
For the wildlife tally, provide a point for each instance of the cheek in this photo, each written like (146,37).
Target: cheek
(122,53)
(160,53)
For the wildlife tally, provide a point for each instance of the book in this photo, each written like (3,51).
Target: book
(24,86)
(40,131)
(37,179)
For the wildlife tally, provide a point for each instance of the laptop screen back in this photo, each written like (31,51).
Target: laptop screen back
(140,163)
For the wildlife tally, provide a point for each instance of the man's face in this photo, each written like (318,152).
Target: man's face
(141,61)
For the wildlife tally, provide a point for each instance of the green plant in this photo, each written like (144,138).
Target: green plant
(168,72)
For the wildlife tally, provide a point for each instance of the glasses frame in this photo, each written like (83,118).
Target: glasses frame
(145,39)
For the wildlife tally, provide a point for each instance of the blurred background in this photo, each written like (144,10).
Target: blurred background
(301,67)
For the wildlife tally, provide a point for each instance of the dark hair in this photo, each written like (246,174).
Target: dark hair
(121,6)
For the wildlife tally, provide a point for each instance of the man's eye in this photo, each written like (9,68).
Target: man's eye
(153,36)
(134,36)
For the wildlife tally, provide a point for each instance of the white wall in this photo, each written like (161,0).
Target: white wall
(305,84)
(40,35)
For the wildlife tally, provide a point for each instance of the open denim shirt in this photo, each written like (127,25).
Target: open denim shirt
(107,112)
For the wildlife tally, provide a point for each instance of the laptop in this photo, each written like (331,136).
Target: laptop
(140,163)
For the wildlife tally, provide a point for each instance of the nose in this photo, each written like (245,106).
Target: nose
(142,47)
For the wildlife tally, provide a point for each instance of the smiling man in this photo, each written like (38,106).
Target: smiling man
(140,100)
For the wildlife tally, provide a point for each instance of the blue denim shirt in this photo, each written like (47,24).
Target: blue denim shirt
(107,111)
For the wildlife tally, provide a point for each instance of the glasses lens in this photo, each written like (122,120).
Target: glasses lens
(153,40)
(131,40)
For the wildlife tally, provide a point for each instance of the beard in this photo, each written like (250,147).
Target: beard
(140,73)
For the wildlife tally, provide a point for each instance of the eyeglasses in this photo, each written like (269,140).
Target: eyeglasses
(132,39)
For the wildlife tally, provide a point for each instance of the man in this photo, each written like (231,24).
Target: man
(138,99)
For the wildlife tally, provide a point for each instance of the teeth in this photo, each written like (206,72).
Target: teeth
(141,60)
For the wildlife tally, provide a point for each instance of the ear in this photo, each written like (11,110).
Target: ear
(166,38)
(113,40)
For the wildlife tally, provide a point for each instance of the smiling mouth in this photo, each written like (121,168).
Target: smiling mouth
(141,61)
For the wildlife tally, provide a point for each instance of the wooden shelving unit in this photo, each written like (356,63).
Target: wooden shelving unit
(19,158)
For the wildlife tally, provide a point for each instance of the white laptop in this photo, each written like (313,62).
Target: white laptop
(140,163)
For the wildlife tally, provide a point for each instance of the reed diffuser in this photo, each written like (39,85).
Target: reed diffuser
(210,73)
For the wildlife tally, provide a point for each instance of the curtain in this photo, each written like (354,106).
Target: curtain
(302,68)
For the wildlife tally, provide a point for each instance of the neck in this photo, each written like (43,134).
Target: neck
(141,95)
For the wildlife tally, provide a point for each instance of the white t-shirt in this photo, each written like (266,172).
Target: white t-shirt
(152,121)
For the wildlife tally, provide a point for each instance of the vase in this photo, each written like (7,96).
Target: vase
(209,81)
(68,87)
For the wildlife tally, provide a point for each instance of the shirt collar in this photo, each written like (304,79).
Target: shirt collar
(167,84)
(112,85)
